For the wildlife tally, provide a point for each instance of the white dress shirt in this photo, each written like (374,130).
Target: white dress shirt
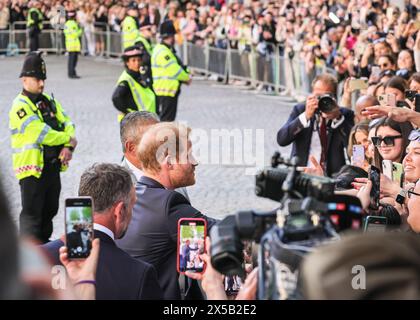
(136,171)
(99,227)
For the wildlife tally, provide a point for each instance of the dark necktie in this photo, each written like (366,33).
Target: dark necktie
(323,138)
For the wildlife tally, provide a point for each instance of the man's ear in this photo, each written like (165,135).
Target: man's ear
(167,162)
(118,211)
(129,146)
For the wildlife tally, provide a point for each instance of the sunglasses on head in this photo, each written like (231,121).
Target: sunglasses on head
(414,135)
(388,140)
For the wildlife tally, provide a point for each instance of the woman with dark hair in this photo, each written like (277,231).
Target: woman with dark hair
(386,62)
(405,64)
(397,86)
(390,140)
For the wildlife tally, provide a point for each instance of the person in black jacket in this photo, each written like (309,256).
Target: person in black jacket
(152,233)
(134,72)
(118,276)
(324,135)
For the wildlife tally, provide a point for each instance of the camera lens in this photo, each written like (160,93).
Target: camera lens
(326,103)
(226,247)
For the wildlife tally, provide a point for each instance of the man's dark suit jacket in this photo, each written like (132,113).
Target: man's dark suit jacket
(294,132)
(153,230)
(118,276)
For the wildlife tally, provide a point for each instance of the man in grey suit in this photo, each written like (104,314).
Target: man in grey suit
(167,163)
(132,128)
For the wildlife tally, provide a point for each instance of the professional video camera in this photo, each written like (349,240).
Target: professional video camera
(286,234)
(273,182)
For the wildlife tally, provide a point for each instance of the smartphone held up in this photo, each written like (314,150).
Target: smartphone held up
(79,227)
(191,244)
(358,157)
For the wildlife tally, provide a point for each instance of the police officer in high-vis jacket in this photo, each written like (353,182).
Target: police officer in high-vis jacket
(133,90)
(130,26)
(34,24)
(43,141)
(168,73)
(72,34)
(140,35)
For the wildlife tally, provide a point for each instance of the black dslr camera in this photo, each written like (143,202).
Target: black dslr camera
(326,103)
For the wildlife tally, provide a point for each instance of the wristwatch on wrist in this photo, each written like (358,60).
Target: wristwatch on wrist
(401,196)
(70,148)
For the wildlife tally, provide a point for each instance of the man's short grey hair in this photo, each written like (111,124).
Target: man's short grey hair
(134,124)
(107,184)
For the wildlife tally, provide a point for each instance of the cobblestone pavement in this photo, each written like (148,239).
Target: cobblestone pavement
(208,107)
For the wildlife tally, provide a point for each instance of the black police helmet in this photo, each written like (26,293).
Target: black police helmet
(34,66)
(132,6)
(167,29)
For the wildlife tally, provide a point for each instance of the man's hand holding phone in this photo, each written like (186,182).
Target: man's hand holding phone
(211,280)
(82,273)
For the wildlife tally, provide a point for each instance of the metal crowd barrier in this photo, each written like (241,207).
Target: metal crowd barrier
(280,72)
(15,40)
(273,70)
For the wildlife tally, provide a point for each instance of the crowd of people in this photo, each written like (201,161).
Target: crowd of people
(138,203)
(346,37)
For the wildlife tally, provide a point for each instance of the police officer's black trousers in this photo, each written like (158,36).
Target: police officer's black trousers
(34,41)
(167,107)
(40,202)
(72,63)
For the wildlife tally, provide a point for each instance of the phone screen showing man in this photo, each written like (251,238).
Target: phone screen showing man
(79,227)
(191,244)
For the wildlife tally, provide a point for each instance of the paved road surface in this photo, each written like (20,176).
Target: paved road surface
(221,188)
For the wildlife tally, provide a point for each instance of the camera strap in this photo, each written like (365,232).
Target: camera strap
(324,141)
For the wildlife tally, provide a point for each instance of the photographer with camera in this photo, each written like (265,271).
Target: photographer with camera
(319,128)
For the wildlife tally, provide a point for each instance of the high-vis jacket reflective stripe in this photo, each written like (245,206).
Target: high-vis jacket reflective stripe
(144,97)
(30,22)
(29,133)
(166,71)
(130,32)
(72,32)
